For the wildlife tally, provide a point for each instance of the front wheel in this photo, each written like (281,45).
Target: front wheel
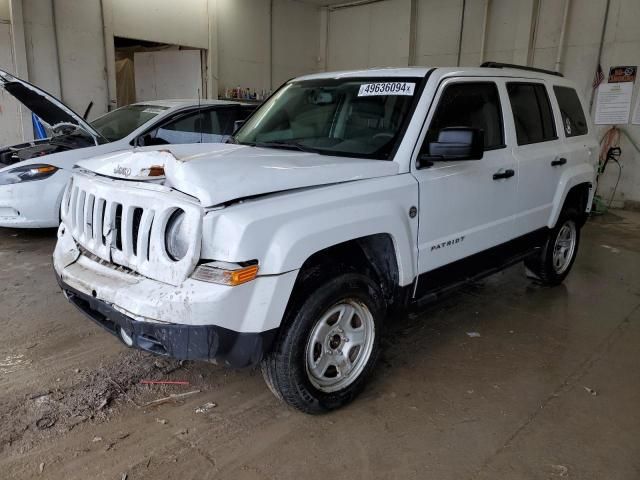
(328,346)
(554,262)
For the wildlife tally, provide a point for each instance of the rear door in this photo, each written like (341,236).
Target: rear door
(466,206)
(539,151)
(579,147)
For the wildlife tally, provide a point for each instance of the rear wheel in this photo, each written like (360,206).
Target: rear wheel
(328,346)
(554,262)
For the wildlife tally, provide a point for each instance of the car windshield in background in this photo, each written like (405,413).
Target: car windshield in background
(355,117)
(121,122)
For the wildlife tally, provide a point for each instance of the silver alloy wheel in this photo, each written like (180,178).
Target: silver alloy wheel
(564,247)
(340,345)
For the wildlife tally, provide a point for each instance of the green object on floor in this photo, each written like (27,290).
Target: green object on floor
(599,206)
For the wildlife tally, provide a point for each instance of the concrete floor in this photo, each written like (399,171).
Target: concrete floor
(550,388)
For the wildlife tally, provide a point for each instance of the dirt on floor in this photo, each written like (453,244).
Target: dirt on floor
(504,379)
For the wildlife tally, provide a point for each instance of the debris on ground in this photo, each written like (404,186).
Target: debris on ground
(91,398)
(161,421)
(96,439)
(113,443)
(171,398)
(163,382)
(473,334)
(44,423)
(591,391)
(559,470)
(206,407)
(41,468)
(611,249)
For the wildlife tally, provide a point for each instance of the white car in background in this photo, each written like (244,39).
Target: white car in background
(33,175)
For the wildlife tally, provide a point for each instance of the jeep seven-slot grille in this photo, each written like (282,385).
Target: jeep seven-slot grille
(98,223)
(126,225)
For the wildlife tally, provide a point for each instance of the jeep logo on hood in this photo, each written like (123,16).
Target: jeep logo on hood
(125,172)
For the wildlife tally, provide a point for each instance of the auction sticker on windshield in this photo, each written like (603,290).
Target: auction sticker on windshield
(386,88)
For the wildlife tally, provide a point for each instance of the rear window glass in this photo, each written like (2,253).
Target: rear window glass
(531,113)
(119,123)
(573,119)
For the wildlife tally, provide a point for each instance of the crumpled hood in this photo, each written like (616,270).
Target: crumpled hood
(219,173)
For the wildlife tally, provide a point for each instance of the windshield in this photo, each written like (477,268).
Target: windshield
(121,122)
(352,117)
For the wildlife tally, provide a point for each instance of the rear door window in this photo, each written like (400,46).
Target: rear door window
(573,119)
(532,113)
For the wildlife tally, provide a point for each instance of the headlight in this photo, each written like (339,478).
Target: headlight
(27,173)
(176,237)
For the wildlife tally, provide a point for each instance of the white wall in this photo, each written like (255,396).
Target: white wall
(81,51)
(10,130)
(4,10)
(370,35)
(167,74)
(622,47)
(244,44)
(40,44)
(174,22)
(296,40)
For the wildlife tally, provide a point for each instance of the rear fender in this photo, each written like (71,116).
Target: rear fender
(576,175)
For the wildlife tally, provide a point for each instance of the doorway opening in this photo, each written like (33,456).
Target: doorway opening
(157,71)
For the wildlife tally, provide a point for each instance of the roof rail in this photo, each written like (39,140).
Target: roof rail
(520,67)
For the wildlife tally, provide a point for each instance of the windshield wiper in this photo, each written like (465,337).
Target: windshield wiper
(289,145)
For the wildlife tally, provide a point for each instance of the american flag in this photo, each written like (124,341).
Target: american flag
(598,77)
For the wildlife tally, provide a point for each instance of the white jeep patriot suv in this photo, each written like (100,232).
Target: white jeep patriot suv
(345,195)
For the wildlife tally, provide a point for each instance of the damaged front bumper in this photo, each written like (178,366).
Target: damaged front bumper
(194,321)
(182,342)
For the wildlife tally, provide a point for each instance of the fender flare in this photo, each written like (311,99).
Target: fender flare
(314,234)
(576,175)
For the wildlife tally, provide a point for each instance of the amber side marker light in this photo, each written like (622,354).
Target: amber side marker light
(225,273)
(153,171)
(44,169)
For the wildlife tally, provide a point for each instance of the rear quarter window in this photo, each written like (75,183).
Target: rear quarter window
(573,118)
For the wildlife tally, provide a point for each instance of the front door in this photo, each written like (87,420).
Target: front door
(466,206)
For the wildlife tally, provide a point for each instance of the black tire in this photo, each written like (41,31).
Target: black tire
(542,265)
(285,369)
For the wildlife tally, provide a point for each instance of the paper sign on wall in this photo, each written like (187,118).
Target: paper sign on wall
(622,74)
(636,112)
(614,103)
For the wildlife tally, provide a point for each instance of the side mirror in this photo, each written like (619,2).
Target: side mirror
(237,124)
(454,144)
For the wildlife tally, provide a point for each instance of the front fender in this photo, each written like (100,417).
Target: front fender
(281,231)
(572,176)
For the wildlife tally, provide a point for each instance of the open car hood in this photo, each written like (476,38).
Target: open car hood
(219,173)
(48,108)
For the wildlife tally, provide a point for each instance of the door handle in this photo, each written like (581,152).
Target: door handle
(558,162)
(506,174)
